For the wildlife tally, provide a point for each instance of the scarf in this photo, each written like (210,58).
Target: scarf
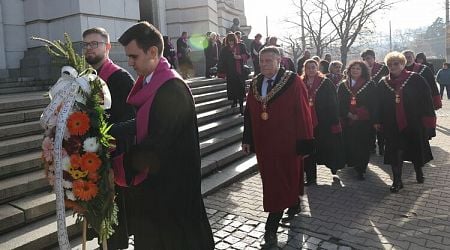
(107,69)
(312,91)
(396,83)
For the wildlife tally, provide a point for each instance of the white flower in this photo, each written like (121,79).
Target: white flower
(70,195)
(90,145)
(66,163)
(67,184)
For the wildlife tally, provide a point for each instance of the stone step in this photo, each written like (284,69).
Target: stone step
(201,81)
(221,158)
(18,130)
(22,185)
(209,88)
(210,96)
(217,141)
(26,210)
(23,101)
(211,105)
(20,164)
(5,91)
(20,84)
(228,175)
(213,115)
(41,234)
(22,144)
(219,125)
(20,116)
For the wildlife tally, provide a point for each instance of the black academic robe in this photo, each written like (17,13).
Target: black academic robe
(356,133)
(327,129)
(378,71)
(300,63)
(211,56)
(420,120)
(233,69)
(426,73)
(168,205)
(184,60)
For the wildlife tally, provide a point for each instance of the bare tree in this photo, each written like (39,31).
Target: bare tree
(315,21)
(349,17)
(294,46)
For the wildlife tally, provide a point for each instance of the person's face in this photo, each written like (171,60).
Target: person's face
(231,43)
(409,58)
(95,48)
(307,54)
(311,69)
(213,37)
(336,69)
(184,35)
(143,63)
(395,67)
(356,71)
(445,66)
(269,63)
(370,60)
(258,38)
(419,60)
(328,57)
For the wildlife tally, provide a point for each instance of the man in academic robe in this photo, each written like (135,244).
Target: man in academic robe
(278,128)
(96,47)
(164,177)
(183,53)
(301,61)
(211,53)
(426,73)
(406,115)
(377,71)
(255,47)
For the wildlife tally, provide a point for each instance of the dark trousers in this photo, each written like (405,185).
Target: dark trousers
(310,169)
(273,220)
(376,137)
(441,90)
(398,166)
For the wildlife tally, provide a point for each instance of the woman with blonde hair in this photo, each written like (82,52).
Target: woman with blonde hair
(406,116)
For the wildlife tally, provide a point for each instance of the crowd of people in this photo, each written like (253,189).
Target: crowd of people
(294,119)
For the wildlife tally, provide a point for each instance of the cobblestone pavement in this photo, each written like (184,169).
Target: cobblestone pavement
(344,213)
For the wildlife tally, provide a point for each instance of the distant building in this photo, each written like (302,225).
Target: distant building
(21,19)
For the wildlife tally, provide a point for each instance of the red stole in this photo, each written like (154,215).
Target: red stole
(107,69)
(396,83)
(312,91)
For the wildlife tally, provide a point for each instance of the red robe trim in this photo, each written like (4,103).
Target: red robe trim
(275,143)
(399,109)
(437,102)
(429,122)
(336,128)
(361,112)
(312,90)
(375,69)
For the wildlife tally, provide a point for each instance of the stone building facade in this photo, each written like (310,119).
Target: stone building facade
(21,19)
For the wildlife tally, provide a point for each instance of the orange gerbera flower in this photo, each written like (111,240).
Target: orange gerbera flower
(75,161)
(84,190)
(78,123)
(90,162)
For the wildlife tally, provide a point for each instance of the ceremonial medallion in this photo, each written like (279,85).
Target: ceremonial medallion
(264,116)
(353,101)
(397,98)
(311,103)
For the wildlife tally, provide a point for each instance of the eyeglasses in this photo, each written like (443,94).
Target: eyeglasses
(91,45)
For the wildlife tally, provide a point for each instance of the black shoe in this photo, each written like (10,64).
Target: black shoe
(420,179)
(269,240)
(292,212)
(310,183)
(334,171)
(396,187)
(361,176)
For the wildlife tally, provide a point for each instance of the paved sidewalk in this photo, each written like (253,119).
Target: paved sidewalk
(346,213)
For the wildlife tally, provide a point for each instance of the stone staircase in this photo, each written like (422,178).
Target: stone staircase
(27,205)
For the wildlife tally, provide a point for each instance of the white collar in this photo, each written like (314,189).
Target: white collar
(148,78)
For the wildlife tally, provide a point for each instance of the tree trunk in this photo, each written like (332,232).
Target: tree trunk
(344,52)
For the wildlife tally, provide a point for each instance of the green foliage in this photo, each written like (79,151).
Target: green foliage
(101,211)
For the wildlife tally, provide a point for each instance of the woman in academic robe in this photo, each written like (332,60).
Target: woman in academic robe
(356,107)
(325,117)
(231,65)
(406,115)
(335,74)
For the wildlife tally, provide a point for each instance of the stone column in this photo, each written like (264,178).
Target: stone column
(50,19)
(3,71)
